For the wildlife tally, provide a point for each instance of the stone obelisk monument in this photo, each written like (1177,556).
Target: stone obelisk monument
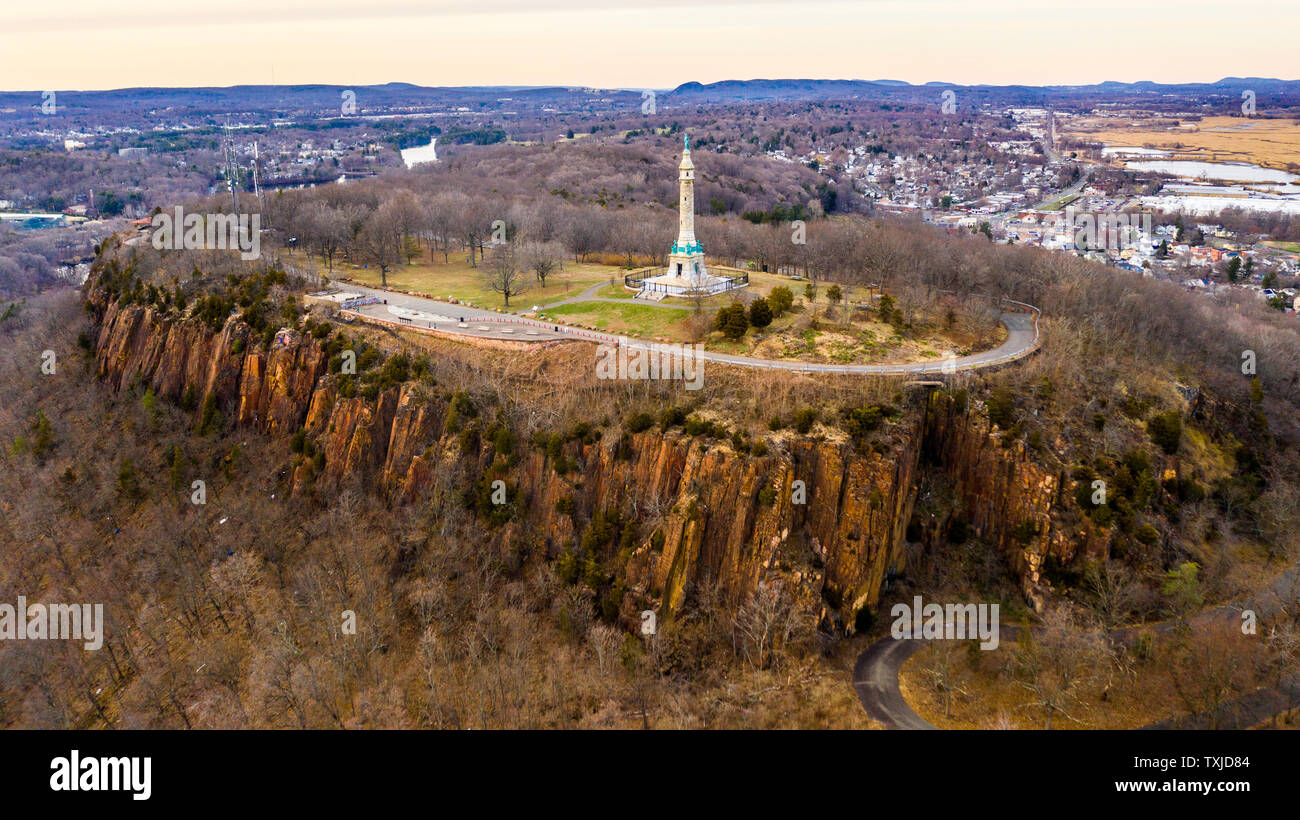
(686,259)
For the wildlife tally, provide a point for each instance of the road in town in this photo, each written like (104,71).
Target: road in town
(1059,195)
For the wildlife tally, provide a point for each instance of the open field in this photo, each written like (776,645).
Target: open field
(1267,142)
(459,280)
(1290,247)
(637,318)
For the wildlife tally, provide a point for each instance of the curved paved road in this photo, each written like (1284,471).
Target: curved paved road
(875,677)
(1022,335)
(875,674)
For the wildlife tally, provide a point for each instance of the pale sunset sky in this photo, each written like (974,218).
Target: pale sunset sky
(94,44)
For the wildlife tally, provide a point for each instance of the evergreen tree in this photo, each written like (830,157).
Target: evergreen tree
(737,322)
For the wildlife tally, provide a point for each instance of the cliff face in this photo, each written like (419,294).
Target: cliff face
(833,552)
(1006,496)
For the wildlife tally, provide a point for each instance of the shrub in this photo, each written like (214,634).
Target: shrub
(1133,407)
(696,426)
(780,299)
(804,420)
(1025,531)
(469,439)
(1147,534)
(503,441)
(640,423)
(624,450)
(567,567)
(672,417)
(657,541)
(732,320)
(611,602)
(368,358)
(582,431)
(460,407)
(1166,430)
(886,308)
(592,575)
(1102,516)
(760,313)
(738,442)
(1002,407)
(42,435)
(1083,495)
(128,481)
(861,421)
(553,445)
(209,418)
(960,400)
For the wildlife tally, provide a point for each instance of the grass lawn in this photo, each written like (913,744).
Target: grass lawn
(1292,247)
(460,281)
(614,292)
(646,320)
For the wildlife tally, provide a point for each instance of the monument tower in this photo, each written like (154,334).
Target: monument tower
(686,275)
(686,259)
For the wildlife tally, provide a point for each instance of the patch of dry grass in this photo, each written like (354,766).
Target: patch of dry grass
(1272,143)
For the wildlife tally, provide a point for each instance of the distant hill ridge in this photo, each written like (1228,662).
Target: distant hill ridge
(291,100)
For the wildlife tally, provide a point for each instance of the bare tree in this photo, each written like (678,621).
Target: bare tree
(326,230)
(542,258)
(440,221)
(504,274)
(604,642)
(1111,594)
(1209,665)
(1058,660)
(943,670)
(380,242)
(763,625)
(586,232)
